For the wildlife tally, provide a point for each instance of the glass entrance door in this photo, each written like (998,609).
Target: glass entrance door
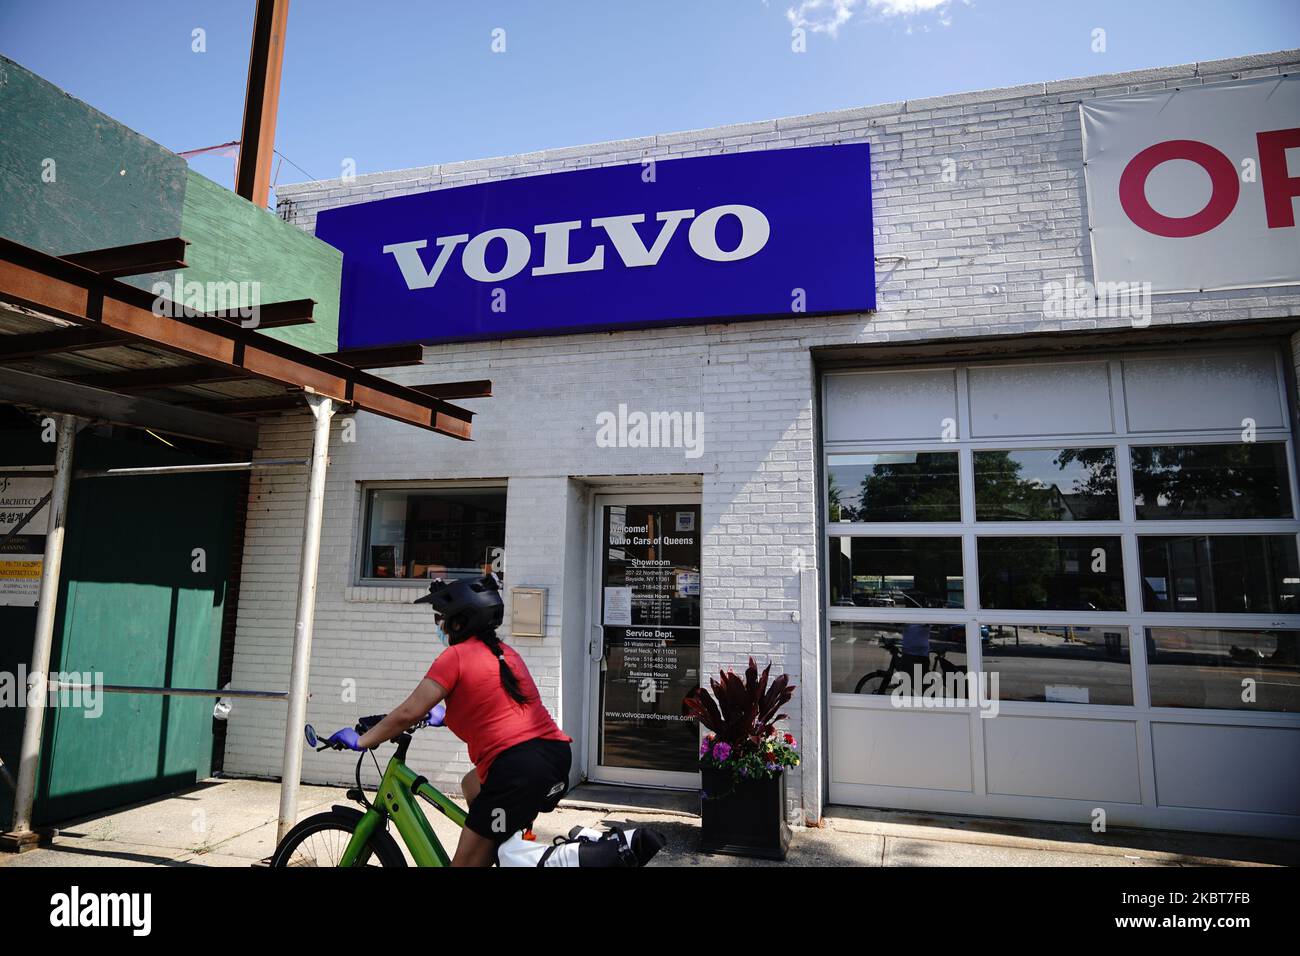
(646,640)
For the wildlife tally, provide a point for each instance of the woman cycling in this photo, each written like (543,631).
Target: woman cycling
(521,758)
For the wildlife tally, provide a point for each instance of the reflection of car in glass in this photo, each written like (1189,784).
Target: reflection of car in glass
(887,597)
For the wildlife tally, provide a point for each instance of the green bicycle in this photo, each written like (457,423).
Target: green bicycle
(344,836)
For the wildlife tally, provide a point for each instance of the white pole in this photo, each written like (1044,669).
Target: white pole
(291,770)
(30,755)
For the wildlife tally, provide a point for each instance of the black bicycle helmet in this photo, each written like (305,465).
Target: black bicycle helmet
(468,606)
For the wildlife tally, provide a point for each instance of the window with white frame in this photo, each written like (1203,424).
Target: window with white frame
(1035,519)
(439,531)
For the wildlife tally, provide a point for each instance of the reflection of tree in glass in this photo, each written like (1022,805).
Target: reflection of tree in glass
(1238,480)
(1014,571)
(833,502)
(920,490)
(1001,494)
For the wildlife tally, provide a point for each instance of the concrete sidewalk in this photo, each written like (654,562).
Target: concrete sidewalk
(232,823)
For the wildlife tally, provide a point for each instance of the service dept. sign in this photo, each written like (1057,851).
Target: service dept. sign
(1195,188)
(777,233)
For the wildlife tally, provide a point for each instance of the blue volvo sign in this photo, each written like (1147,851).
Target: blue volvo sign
(772,234)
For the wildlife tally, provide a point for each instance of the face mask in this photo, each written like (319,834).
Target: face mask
(441,634)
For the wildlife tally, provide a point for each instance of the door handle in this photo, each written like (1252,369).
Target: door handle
(596,646)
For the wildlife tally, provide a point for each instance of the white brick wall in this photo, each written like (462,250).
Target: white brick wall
(978,252)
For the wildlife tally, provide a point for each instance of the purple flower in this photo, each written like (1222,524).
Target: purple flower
(721,752)
(705,747)
(771,766)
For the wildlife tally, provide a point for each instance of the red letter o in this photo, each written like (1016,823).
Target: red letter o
(1224,188)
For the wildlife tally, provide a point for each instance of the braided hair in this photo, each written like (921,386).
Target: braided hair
(509,681)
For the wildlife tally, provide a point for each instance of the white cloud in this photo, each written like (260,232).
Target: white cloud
(827,16)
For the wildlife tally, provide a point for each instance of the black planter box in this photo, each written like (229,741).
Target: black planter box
(743,819)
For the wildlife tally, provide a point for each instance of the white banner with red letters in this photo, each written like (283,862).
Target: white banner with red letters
(1195,188)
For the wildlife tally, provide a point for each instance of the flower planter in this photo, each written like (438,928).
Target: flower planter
(746,818)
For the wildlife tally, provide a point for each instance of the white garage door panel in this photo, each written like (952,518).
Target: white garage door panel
(1012,400)
(1060,757)
(1169,393)
(1231,768)
(890,406)
(897,748)
(1225,771)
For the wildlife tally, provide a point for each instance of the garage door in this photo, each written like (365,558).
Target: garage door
(1088,571)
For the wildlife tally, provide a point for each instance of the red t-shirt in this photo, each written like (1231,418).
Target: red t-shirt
(480,712)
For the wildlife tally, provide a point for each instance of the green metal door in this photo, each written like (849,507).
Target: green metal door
(145,567)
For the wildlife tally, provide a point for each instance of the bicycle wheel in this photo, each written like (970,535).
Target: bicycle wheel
(321,840)
(877,682)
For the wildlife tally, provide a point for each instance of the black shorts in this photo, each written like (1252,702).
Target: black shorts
(523,781)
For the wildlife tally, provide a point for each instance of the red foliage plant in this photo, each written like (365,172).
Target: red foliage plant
(744,714)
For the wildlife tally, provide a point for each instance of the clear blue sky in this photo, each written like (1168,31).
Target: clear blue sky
(397,83)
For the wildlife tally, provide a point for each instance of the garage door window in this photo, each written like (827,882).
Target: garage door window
(1184,482)
(1059,663)
(1077,573)
(894,486)
(897,572)
(1224,669)
(1046,484)
(1227,574)
(1097,530)
(870,657)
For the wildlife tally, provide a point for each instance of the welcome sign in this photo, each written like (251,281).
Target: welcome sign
(770,234)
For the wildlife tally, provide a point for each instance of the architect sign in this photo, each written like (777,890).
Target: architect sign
(24,523)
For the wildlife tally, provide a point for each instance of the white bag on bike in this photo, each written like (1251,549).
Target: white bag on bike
(584,847)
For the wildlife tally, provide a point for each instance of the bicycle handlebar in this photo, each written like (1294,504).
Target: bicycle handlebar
(362,726)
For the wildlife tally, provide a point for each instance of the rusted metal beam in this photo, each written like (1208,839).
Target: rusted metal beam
(62,289)
(383,356)
(277,315)
(141,258)
(95,404)
(251,406)
(261,101)
(27,345)
(146,379)
(475,388)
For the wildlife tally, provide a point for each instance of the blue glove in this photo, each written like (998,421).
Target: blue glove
(346,738)
(437,715)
